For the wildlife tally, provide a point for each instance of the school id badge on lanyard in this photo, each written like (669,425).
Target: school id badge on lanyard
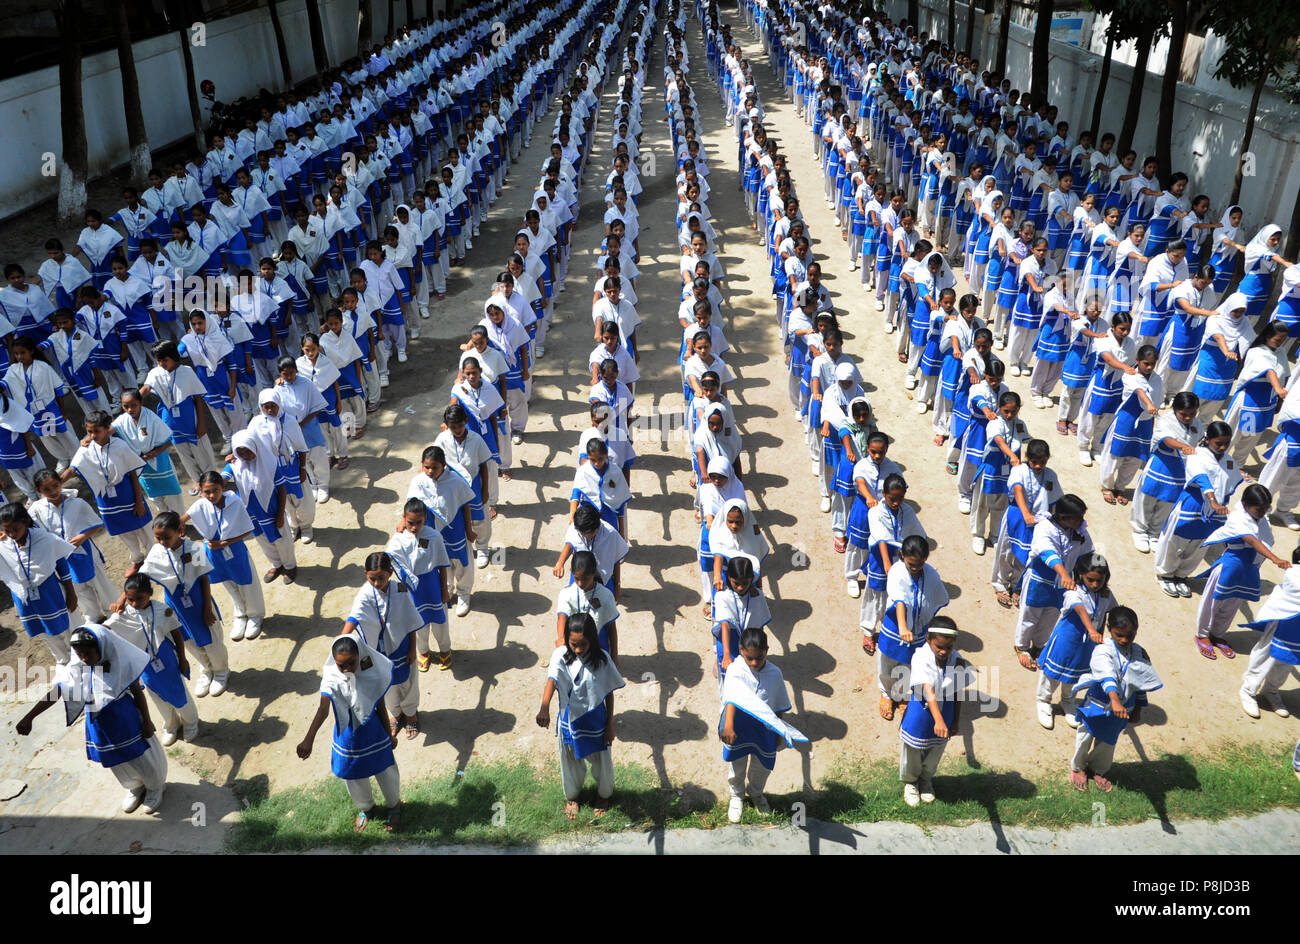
(182,592)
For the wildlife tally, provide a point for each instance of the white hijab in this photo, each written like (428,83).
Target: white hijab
(355,694)
(748,541)
(257,477)
(1258,247)
(83,686)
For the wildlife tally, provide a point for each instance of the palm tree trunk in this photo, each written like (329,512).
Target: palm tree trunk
(365,28)
(1102,81)
(970,27)
(1264,73)
(1133,109)
(1042,49)
(280,46)
(1004,37)
(318,54)
(72,117)
(1169,85)
(952,23)
(137,134)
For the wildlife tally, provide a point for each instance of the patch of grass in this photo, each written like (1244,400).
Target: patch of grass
(513,804)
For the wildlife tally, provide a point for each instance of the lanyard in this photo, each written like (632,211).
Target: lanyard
(104,460)
(379,613)
(220,512)
(26,565)
(178,574)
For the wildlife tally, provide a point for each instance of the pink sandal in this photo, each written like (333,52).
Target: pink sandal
(1204,647)
(1223,647)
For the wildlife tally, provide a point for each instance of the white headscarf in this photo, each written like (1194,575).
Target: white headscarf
(986,201)
(606,489)
(726,443)
(257,477)
(1258,247)
(355,694)
(206,350)
(1236,330)
(95,687)
(747,541)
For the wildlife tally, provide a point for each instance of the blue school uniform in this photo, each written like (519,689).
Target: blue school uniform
(361,752)
(1069,648)
(114,734)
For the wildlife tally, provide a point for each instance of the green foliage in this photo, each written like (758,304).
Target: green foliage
(1259,37)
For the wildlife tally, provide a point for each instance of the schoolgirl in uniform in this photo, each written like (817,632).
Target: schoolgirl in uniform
(1262,384)
(914,593)
(448,496)
(154,628)
(320,372)
(71,350)
(889,522)
(1069,649)
(180,566)
(1277,653)
(353,682)
(34,566)
(1247,540)
(1228,335)
(1128,441)
(741,606)
(102,680)
(110,468)
(1033,489)
(252,470)
(180,394)
(18,444)
(37,387)
(938,677)
(1004,436)
(1059,541)
(1211,477)
(65,515)
(383,613)
(419,557)
(1174,438)
(1115,355)
(221,518)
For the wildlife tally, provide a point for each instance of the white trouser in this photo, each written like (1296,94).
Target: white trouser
(404,699)
(1090,753)
(1243,444)
(462,578)
(394,336)
(1020,346)
(441,637)
(1092,430)
(213,659)
(893,677)
(138,543)
(60,647)
(1147,515)
(1044,378)
(370,379)
(1071,401)
(196,458)
(148,772)
(97,594)
(573,772)
(318,465)
(62,446)
(1282,481)
(517,403)
(25,480)
(855,558)
(246,599)
(1264,674)
(1035,624)
(1117,471)
(1048,687)
(986,509)
(1177,557)
(280,554)
(1006,567)
(871,610)
(916,764)
(170,718)
(229,422)
(1214,617)
(336,441)
(747,775)
(390,782)
(300,512)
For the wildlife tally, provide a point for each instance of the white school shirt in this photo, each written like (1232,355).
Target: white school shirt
(921,599)
(607,544)
(385,618)
(1041,493)
(575,604)
(469,455)
(69,518)
(179,568)
(419,554)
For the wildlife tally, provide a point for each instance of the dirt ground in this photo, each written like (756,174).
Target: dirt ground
(483,709)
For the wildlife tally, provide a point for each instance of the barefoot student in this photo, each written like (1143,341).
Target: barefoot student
(754,698)
(585,678)
(102,680)
(353,681)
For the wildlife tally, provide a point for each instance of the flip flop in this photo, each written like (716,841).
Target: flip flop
(571,809)
(1205,648)
(393,821)
(1108,496)
(360,822)
(1079,780)
(886,708)
(951,468)
(412,728)
(1222,646)
(1004,599)
(869,645)
(425,661)
(601,808)
(1062,428)
(1121,498)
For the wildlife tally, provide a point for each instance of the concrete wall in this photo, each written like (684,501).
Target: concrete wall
(238,55)
(1208,125)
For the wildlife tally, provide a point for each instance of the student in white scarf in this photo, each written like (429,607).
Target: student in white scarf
(102,680)
(353,681)
(585,678)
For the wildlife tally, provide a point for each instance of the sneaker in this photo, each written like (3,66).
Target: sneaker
(816,466)
(909,383)
(1290,520)
(383,378)
(131,802)
(1168,586)
(481,559)
(1142,543)
(462,606)
(852,589)
(322,496)
(880,306)
(413,334)
(153,800)
(927,791)
(1014,370)
(1085,458)
(826,504)
(922,407)
(1273,702)
(734,808)
(1072,719)
(1183,589)
(517,438)
(911,795)
(963,505)
(401,357)
(202,685)
(1000,344)
(218,684)
(238,629)
(1249,705)
(424,313)
(889,328)
(306,535)
(190,733)
(760,803)
(541,351)
(167,738)
(978,545)
(1045,717)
